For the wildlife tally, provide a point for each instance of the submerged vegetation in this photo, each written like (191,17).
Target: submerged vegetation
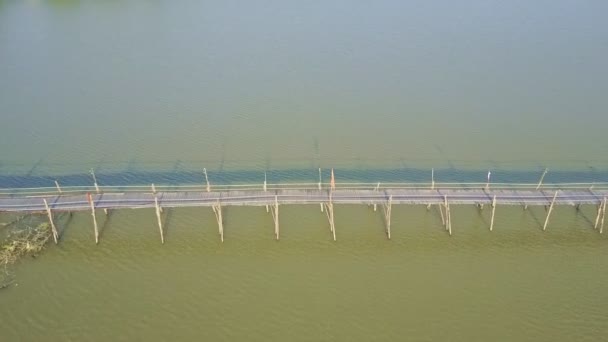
(20,241)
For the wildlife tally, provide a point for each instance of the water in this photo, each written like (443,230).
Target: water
(516,282)
(155,91)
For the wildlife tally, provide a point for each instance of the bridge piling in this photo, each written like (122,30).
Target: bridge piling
(207,180)
(160,223)
(330,216)
(603,217)
(217,209)
(387,216)
(493,211)
(488,181)
(376,189)
(449,217)
(441,214)
(540,182)
(58,187)
(445,206)
(275,217)
(320,180)
(97,187)
(48,211)
(92,203)
(599,213)
(550,209)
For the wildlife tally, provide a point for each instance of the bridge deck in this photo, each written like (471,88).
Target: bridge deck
(169,199)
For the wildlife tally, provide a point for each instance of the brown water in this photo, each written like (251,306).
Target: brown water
(130,86)
(515,283)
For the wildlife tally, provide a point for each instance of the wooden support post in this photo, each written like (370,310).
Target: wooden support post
(321,206)
(217,209)
(449,218)
(493,211)
(432,179)
(265,188)
(276,223)
(58,187)
(97,190)
(445,205)
(48,211)
(599,213)
(332,182)
(95,181)
(488,181)
(428,207)
(376,189)
(154,192)
(92,204)
(330,216)
(275,216)
(387,216)
(550,209)
(320,181)
(333,225)
(92,172)
(160,223)
(603,217)
(207,180)
(540,182)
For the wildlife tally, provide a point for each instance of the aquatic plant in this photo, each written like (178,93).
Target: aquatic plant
(20,243)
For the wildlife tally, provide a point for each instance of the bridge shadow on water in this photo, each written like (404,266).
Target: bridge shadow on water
(180,176)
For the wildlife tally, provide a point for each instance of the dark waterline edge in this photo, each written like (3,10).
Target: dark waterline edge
(307,175)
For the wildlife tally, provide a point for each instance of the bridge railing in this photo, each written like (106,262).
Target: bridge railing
(76,190)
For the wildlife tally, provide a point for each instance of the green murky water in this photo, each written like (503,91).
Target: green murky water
(131,86)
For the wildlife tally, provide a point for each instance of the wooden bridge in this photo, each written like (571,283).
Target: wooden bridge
(271,196)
